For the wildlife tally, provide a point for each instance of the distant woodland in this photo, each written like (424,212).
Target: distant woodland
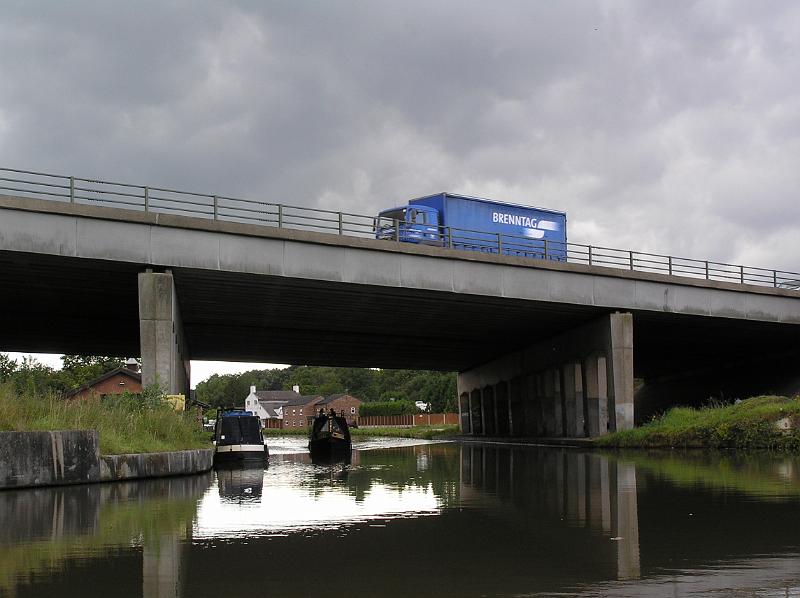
(436,388)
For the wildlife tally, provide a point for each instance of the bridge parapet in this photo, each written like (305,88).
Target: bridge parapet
(217,207)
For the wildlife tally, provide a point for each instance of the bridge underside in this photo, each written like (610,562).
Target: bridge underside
(77,305)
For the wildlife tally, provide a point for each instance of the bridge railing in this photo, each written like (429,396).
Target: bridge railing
(143,198)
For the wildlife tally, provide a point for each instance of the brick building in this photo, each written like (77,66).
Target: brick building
(115,382)
(297,411)
(341,403)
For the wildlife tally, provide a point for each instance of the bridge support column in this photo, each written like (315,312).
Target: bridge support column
(164,355)
(575,384)
(573,400)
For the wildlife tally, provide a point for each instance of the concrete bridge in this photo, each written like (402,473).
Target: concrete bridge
(542,347)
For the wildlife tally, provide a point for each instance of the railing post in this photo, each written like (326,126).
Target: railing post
(216,212)
(590,255)
(669,261)
(499,243)
(741,274)
(146,199)
(396,230)
(707,275)
(280,216)
(630,257)
(341,225)
(450,237)
(545,249)
(775,278)
(72,189)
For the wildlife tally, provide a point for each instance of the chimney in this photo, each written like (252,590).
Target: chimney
(132,365)
(253,390)
(296,388)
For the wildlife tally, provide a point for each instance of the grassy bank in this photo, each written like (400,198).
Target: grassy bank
(422,432)
(126,424)
(748,424)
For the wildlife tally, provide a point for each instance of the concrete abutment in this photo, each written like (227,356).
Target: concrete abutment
(165,356)
(576,384)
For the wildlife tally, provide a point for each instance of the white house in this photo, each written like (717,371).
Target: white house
(268,404)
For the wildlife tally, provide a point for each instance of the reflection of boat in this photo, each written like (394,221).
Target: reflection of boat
(329,435)
(330,458)
(238,438)
(240,483)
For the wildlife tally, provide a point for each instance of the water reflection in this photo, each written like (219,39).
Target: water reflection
(298,494)
(422,520)
(581,490)
(43,530)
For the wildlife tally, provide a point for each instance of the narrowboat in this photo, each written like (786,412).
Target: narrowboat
(329,435)
(238,438)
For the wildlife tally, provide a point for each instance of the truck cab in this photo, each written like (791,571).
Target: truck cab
(409,224)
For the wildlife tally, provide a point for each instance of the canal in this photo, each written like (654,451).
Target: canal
(413,518)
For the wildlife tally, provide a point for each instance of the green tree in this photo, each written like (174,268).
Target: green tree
(79,369)
(7,367)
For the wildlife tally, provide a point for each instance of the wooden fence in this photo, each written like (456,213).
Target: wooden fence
(407,421)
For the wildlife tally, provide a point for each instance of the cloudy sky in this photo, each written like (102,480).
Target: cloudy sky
(671,127)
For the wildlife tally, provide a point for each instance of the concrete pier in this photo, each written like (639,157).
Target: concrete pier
(165,357)
(578,383)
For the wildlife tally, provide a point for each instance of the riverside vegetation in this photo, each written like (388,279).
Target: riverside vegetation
(766,422)
(126,423)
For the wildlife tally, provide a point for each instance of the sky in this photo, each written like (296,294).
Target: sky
(669,127)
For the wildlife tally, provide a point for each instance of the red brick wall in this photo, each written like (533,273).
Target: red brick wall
(348,404)
(110,386)
(296,416)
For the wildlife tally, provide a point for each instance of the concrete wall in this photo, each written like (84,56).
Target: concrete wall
(579,383)
(49,458)
(30,459)
(155,465)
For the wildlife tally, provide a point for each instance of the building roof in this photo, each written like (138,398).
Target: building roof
(272,410)
(332,398)
(276,395)
(136,376)
(301,401)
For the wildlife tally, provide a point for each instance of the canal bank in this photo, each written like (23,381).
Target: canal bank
(766,422)
(61,457)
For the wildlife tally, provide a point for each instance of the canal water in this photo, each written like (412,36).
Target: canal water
(411,518)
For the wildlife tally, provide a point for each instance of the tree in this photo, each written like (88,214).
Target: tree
(80,369)
(369,385)
(7,367)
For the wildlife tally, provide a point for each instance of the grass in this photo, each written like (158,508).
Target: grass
(126,424)
(422,432)
(748,424)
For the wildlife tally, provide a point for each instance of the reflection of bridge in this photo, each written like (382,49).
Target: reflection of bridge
(544,347)
(590,492)
(42,531)
(471,519)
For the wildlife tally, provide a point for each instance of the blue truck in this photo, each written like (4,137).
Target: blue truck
(472,223)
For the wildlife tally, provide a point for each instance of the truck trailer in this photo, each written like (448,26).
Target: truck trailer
(475,224)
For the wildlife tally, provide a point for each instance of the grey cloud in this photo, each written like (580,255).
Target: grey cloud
(670,127)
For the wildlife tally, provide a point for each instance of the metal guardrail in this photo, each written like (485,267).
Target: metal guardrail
(71,189)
